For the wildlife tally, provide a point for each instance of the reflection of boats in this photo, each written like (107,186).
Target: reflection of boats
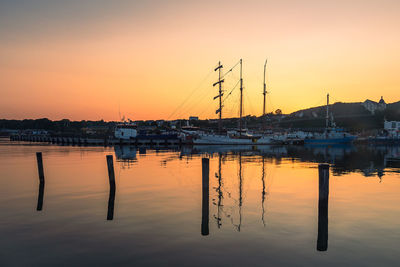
(125,153)
(344,158)
(225,197)
(256,150)
(210,149)
(332,135)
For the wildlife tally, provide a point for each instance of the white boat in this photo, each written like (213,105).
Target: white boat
(125,130)
(201,138)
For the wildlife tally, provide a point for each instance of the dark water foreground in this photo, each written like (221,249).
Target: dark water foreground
(267,206)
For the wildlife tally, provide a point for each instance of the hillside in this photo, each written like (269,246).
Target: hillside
(353,116)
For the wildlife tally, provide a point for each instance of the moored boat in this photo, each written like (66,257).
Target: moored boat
(125,130)
(332,135)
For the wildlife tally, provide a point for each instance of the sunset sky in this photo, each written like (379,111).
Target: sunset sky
(97,59)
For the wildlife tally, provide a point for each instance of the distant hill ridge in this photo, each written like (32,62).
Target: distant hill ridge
(340,109)
(356,116)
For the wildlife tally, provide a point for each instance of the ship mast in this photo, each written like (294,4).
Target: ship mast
(327,111)
(241,99)
(219,82)
(265,87)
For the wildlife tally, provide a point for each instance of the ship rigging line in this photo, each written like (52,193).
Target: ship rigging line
(230,92)
(191,94)
(230,69)
(198,87)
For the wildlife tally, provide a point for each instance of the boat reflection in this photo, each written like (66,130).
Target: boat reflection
(126,155)
(111,200)
(220,196)
(234,194)
(323,197)
(263,193)
(367,160)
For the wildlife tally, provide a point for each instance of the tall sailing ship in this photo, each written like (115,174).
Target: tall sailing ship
(235,137)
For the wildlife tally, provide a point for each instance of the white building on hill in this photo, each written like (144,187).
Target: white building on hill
(373,106)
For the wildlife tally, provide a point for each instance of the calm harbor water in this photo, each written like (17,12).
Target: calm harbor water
(263,206)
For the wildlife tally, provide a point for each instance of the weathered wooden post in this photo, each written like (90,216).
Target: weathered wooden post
(41,180)
(110,166)
(111,179)
(205,164)
(40,166)
(322,242)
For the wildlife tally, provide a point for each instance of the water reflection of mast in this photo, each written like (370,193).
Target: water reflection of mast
(240,191)
(263,190)
(219,191)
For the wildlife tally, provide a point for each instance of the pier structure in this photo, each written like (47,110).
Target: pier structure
(97,141)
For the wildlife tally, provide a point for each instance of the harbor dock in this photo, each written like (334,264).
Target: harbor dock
(96,141)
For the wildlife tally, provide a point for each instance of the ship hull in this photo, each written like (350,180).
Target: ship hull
(329,141)
(226,140)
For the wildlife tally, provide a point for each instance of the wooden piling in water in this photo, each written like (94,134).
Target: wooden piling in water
(39,160)
(205,165)
(110,166)
(40,166)
(111,179)
(322,241)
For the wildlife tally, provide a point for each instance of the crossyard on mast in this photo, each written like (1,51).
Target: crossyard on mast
(219,82)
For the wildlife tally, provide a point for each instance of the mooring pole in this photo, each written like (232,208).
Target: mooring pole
(322,241)
(39,160)
(110,166)
(205,164)
(111,179)
(40,166)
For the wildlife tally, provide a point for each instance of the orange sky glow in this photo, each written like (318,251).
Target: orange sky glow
(101,59)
